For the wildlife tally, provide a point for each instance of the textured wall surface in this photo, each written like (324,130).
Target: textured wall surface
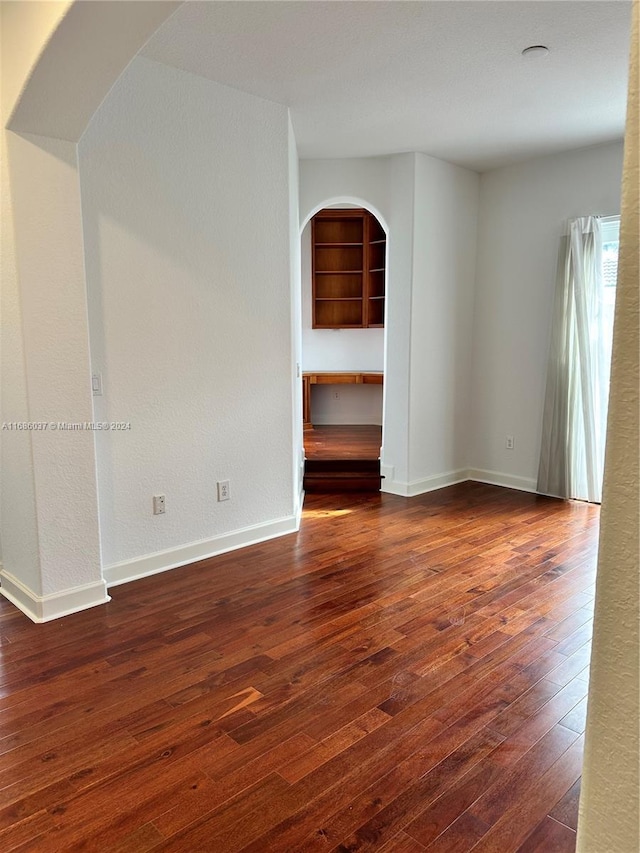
(24,29)
(54,309)
(611,778)
(186,218)
(523,213)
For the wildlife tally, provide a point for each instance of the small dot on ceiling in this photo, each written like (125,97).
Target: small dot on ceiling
(535,51)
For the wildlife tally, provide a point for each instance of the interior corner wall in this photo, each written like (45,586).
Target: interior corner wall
(444,259)
(523,213)
(185,192)
(395,451)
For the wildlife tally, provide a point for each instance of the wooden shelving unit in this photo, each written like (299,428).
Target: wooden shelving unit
(348,270)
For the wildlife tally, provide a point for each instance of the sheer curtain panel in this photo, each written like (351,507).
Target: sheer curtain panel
(575,411)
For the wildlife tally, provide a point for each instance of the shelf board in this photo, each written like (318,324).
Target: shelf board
(335,245)
(376,297)
(376,242)
(338,272)
(338,298)
(378,269)
(341,326)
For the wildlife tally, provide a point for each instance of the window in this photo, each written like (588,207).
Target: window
(610,244)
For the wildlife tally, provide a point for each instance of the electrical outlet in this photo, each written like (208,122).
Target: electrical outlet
(509,442)
(336,395)
(223,490)
(158,505)
(96,384)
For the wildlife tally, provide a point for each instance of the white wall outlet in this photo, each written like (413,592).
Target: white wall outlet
(96,384)
(158,505)
(509,442)
(223,490)
(336,395)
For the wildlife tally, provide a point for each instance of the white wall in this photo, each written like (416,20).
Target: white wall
(446,211)
(523,211)
(24,28)
(185,187)
(395,434)
(346,404)
(324,182)
(56,349)
(296,326)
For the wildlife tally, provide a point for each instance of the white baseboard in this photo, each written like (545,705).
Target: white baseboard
(44,608)
(428,484)
(508,481)
(386,472)
(172,558)
(450,478)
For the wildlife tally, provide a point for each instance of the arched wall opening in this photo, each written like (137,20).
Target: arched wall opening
(359,349)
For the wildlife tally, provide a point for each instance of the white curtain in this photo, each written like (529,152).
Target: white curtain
(575,411)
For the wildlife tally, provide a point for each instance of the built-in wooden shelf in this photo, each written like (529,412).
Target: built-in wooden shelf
(348,269)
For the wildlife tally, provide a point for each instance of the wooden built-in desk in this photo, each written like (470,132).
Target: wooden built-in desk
(332,378)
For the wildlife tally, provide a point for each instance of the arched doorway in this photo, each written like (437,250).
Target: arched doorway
(344,253)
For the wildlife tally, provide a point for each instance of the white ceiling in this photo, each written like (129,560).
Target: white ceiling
(445,77)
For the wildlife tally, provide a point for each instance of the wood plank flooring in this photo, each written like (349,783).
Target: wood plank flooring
(360,441)
(403,675)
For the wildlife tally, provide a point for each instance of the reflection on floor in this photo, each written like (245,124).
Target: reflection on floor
(342,458)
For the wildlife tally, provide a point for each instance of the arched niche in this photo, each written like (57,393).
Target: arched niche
(306,216)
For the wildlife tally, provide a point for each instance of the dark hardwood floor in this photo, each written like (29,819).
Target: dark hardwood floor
(343,442)
(403,675)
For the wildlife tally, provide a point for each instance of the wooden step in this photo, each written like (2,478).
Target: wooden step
(360,466)
(342,475)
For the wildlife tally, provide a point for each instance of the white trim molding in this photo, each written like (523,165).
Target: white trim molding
(428,484)
(450,478)
(299,508)
(508,481)
(172,558)
(44,608)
